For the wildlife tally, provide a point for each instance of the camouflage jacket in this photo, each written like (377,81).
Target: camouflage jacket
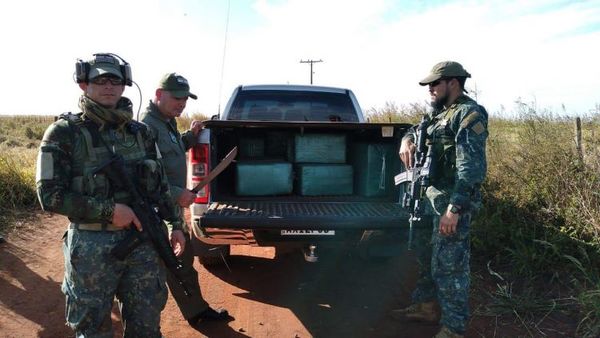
(68,156)
(458,135)
(172,145)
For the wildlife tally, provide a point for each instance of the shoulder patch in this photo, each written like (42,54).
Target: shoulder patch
(470,118)
(478,128)
(45,166)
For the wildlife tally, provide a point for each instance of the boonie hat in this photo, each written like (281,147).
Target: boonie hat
(104,64)
(177,85)
(445,69)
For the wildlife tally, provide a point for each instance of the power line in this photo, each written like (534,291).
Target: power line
(311,67)
(223,59)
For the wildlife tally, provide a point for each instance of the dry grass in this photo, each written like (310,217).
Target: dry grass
(183,122)
(21,136)
(540,218)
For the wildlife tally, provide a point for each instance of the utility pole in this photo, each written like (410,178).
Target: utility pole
(311,67)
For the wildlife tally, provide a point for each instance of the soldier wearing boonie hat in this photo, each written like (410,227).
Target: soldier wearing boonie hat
(169,102)
(457,134)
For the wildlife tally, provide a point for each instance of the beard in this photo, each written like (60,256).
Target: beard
(439,102)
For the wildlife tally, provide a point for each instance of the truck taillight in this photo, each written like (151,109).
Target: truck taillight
(199,159)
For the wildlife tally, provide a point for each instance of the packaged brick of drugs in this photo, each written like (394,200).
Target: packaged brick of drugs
(375,165)
(262,178)
(252,147)
(277,144)
(318,179)
(319,148)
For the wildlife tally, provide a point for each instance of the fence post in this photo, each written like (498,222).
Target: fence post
(578,139)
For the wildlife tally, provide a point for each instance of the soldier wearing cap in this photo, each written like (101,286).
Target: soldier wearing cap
(457,133)
(72,150)
(169,102)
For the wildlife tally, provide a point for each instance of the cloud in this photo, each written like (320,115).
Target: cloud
(380,49)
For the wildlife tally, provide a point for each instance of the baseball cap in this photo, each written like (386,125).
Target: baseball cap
(103,64)
(445,69)
(177,85)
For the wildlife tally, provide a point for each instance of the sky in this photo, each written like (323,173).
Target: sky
(542,52)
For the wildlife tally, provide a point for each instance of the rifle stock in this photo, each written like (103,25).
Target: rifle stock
(147,214)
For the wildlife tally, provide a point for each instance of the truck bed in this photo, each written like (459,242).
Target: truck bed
(227,210)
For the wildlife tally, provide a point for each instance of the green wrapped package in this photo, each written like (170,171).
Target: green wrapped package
(252,147)
(259,178)
(375,165)
(319,148)
(277,143)
(324,179)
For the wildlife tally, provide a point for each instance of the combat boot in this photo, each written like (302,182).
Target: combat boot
(426,312)
(447,333)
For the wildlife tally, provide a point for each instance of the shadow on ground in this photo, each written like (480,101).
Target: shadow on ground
(340,296)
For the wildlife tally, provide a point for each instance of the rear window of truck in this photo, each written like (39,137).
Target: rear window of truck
(274,105)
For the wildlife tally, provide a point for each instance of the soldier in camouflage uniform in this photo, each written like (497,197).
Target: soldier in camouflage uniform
(169,102)
(71,149)
(457,133)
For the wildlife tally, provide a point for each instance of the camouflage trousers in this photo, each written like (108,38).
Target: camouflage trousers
(445,272)
(93,278)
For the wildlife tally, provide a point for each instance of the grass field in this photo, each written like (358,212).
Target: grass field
(536,238)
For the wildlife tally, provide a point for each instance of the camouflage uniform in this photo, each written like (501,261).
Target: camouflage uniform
(458,135)
(68,154)
(173,147)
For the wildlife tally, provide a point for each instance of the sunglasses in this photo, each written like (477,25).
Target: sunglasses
(436,82)
(103,80)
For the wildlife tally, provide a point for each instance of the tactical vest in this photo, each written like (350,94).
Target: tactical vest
(90,153)
(441,137)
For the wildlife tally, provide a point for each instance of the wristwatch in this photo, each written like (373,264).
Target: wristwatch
(455,209)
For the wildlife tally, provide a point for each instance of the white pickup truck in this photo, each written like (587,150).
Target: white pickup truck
(310,173)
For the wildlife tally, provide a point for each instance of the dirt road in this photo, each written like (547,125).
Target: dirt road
(340,296)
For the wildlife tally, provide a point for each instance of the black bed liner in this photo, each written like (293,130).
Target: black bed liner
(305,216)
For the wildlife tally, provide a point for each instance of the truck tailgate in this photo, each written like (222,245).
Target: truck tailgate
(304,215)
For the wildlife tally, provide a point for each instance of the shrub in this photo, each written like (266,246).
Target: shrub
(184,122)
(17,185)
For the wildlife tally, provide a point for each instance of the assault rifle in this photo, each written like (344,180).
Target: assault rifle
(148,215)
(418,177)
